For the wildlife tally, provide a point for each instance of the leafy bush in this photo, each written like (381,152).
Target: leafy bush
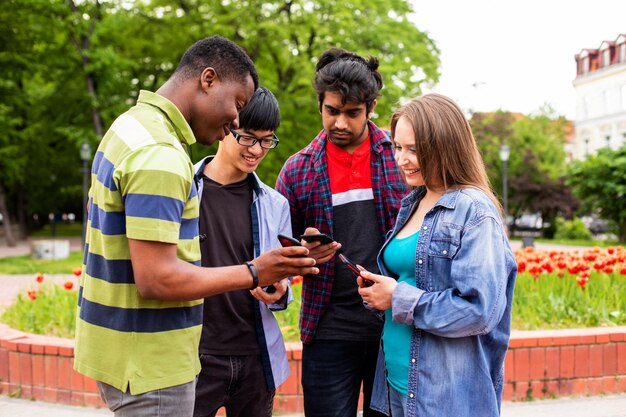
(572,229)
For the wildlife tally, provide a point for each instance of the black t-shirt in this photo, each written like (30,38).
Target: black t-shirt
(229,318)
(356,228)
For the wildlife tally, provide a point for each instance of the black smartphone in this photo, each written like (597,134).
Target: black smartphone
(288,241)
(355,269)
(317,237)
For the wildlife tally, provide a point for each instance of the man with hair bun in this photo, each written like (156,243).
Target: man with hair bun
(346,184)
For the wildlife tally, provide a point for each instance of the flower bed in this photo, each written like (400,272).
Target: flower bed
(558,289)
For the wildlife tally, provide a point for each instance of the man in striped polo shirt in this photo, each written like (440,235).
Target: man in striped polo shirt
(140,302)
(345,183)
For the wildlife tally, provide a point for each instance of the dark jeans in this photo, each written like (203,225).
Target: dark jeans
(235,382)
(332,373)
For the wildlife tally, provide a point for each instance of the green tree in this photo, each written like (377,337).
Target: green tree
(70,67)
(285,39)
(536,163)
(600,183)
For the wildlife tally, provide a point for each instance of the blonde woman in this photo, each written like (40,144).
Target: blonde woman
(447,274)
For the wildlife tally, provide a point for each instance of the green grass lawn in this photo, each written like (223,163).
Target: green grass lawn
(28,265)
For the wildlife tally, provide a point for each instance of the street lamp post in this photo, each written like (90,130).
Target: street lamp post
(85,156)
(504,157)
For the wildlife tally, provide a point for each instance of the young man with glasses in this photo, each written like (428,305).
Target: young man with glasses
(242,351)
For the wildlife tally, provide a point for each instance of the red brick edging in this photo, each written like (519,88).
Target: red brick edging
(539,364)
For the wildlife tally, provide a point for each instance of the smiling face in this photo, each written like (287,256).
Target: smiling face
(405,153)
(216,106)
(344,124)
(243,160)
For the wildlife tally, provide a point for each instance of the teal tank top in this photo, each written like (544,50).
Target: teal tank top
(399,258)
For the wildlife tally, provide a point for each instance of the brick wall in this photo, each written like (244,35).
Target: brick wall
(557,363)
(539,364)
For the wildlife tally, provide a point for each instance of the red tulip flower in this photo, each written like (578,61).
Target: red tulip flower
(297,279)
(39,277)
(68,285)
(77,271)
(32,294)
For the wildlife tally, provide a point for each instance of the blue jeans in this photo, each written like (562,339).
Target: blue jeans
(397,403)
(174,401)
(332,374)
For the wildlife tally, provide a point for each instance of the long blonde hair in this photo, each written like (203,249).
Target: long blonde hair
(446,149)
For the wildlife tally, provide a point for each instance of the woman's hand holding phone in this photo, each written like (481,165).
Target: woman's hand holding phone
(378,294)
(355,269)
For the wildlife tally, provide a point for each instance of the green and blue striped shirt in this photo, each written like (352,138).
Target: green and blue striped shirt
(142,188)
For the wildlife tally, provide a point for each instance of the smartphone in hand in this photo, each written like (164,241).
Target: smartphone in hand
(288,241)
(323,238)
(354,268)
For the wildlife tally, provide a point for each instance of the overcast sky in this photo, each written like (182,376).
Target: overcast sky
(515,55)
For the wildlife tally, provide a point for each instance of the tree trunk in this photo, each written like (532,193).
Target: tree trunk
(83,45)
(6,222)
(21,211)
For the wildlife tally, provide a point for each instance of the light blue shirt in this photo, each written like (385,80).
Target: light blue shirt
(461,308)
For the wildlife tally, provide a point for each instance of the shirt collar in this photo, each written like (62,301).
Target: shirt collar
(253,177)
(183,130)
(378,139)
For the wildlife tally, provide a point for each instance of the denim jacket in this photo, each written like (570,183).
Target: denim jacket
(461,308)
(270,216)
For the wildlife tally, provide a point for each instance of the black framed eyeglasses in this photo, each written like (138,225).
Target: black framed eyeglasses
(248,140)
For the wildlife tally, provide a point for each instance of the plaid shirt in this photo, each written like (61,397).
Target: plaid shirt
(304,181)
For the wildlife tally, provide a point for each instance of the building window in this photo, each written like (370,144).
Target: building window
(606,57)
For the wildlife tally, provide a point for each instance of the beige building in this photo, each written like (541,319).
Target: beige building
(600,86)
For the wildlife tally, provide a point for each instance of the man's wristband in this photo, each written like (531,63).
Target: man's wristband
(255,275)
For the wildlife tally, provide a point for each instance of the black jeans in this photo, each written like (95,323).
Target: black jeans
(332,374)
(236,383)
